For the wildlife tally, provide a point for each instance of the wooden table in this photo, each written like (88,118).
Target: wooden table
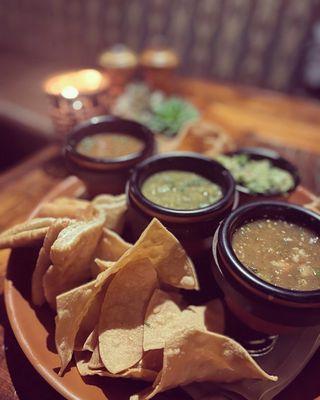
(290,125)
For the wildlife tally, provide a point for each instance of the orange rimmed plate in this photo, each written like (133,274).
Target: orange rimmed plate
(34,326)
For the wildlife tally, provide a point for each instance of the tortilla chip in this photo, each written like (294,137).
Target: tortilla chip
(122,315)
(115,208)
(79,234)
(137,372)
(151,360)
(202,137)
(112,246)
(109,200)
(72,308)
(164,318)
(82,362)
(206,317)
(95,361)
(166,254)
(91,341)
(44,261)
(86,336)
(65,207)
(197,356)
(71,256)
(28,233)
(97,267)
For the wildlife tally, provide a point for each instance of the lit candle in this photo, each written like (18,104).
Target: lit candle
(76,96)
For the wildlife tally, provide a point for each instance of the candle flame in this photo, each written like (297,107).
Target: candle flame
(69,92)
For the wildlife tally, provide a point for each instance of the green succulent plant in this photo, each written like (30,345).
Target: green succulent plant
(170,115)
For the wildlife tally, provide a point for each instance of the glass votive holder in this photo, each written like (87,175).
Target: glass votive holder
(75,96)
(119,63)
(159,64)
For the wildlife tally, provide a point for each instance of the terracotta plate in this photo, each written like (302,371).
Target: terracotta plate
(34,327)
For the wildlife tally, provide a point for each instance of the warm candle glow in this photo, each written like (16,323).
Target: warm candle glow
(69,92)
(118,56)
(159,57)
(70,84)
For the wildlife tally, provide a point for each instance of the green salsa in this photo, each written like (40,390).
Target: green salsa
(258,176)
(181,190)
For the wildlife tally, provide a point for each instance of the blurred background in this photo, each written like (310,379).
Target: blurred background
(262,57)
(273,44)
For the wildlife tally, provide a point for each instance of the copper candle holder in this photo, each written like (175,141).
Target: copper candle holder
(76,96)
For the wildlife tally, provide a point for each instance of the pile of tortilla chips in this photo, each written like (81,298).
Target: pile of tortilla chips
(127,318)
(72,233)
(131,322)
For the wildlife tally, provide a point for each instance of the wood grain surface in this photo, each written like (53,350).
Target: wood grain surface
(253,117)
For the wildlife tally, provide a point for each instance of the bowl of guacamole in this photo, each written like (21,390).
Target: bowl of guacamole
(260,172)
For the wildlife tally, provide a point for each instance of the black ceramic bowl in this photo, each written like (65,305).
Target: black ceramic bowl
(102,175)
(257,303)
(193,228)
(260,153)
(184,224)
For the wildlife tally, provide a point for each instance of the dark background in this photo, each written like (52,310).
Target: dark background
(265,43)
